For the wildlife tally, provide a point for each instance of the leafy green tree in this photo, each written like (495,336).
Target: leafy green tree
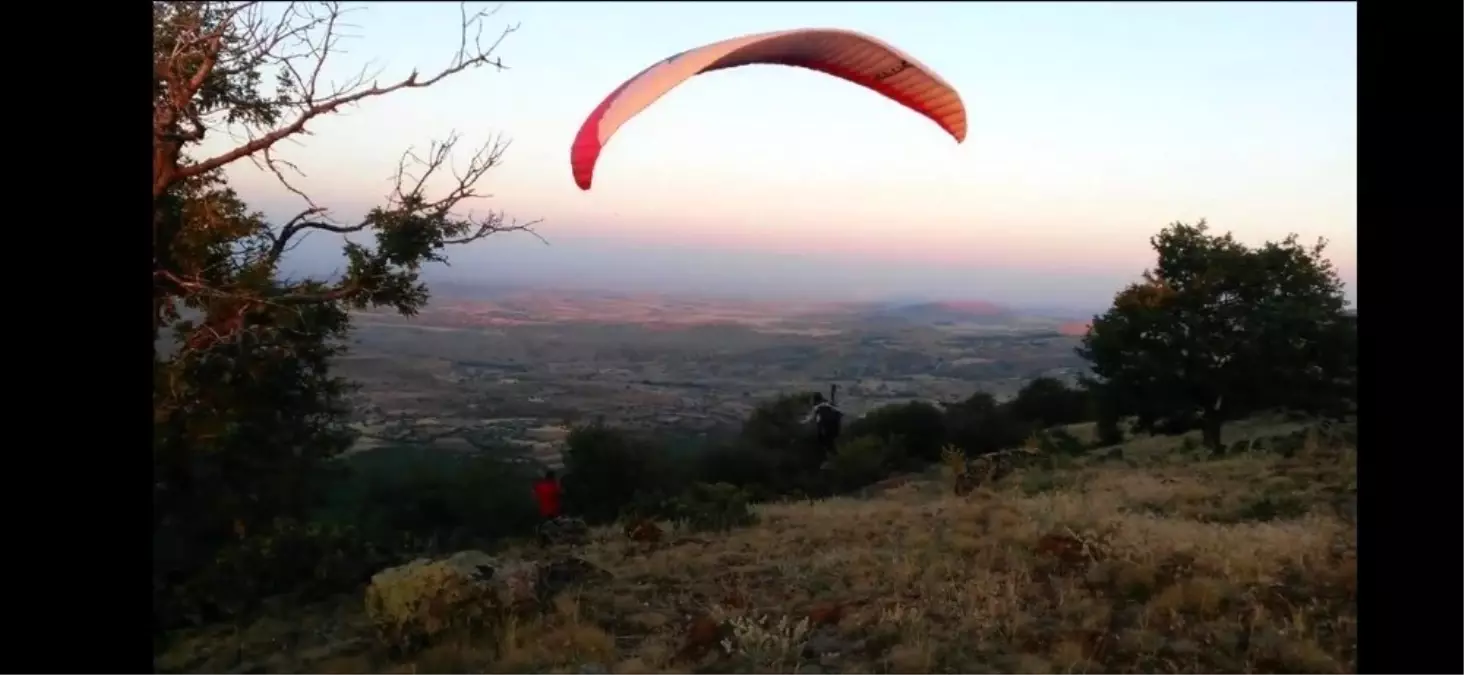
(439,500)
(1105,410)
(1049,402)
(920,425)
(245,409)
(742,464)
(864,460)
(979,425)
(1218,330)
(777,424)
(608,469)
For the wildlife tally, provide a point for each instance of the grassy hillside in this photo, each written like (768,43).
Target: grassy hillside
(1150,558)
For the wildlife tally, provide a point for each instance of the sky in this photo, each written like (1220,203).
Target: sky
(1092,126)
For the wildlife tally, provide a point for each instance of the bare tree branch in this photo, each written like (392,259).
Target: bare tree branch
(208,79)
(254,43)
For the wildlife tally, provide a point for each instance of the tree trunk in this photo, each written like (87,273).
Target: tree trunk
(1210,432)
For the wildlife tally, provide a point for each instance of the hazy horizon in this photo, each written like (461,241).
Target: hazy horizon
(1092,126)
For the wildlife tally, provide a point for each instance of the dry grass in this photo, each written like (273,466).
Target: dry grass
(1158,564)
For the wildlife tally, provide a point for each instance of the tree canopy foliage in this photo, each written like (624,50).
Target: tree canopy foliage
(245,409)
(1218,330)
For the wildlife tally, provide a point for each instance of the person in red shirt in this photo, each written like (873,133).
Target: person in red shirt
(546,492)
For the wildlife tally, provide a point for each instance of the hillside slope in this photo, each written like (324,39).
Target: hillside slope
(1145,559)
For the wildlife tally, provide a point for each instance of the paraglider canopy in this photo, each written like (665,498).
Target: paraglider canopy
(844,54)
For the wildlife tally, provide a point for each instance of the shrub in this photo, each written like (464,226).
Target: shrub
(606,468)
(955,468)
(306,560)
(1057,441)
(775,424)
(1271,507)
(714,507)
(1048,402)
(1109,432)
(443,500)
(746,466)
(864,460)
(980,425)
(920,424)
(1038,482)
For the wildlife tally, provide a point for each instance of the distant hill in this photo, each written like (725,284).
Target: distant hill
(948,312)
(1074,328)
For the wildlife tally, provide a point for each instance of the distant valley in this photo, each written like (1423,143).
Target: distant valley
(486,367)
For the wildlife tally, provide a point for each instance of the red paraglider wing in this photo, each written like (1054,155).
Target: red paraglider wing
(844,54)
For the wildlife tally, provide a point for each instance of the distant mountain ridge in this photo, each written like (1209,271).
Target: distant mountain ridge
(966,311)
(505,305)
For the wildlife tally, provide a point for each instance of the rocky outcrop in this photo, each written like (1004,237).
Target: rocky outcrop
(412,604)
(564,531)
(992,467)
(644,531)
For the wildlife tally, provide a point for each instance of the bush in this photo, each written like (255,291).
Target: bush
(1048,402)
(715,507)
(920,424)
(1057,441)
(444,501)
(979,425)
(865,460)
(776,424)
(606,469)
(749,467)
(306,560)
(1109,432)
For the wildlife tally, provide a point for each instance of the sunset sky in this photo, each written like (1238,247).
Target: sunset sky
(1092,125)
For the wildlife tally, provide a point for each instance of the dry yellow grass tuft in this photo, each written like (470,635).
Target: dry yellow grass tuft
(1153,562)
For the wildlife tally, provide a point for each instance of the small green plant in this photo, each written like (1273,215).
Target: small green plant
(954,461)
(1055,441)
(864,460)
(714,507)
(649,506)
(1269,508)
(1038,482)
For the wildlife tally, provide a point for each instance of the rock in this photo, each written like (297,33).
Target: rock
(557,575)
(1068,553)
(994,466)
(643,531)
(413,603)
(592,669)
(647,620)
(564,530)
(825,614)
(702,635)
(822,642)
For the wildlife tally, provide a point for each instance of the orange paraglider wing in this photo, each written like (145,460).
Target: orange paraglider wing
(847,55)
